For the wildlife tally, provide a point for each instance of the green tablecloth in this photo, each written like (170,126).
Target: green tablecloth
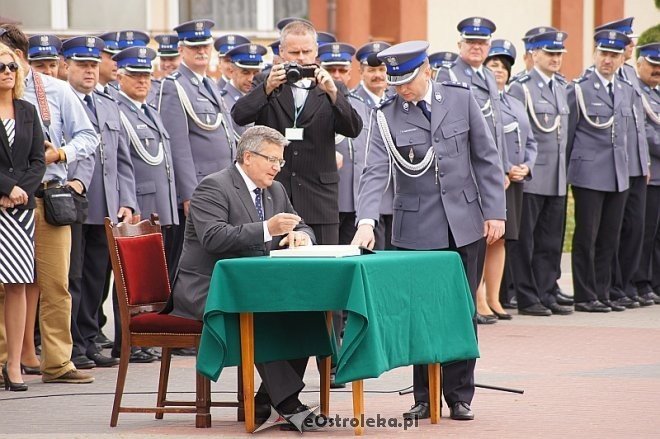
(404,307)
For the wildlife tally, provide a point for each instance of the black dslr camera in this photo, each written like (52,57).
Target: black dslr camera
(295,72)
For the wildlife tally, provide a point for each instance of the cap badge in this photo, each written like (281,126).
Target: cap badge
(44,40)
(231,39)
(91,42)
(392,61)
(142,53)
(129,35)
(199,26)
(476,22)
(376,46)
(541,30)
(335,48)
(448,56)
(166,40)
(612,35)
(507,45)
(253,49)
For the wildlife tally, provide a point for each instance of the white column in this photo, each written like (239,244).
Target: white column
(265,15)
(172,14)
(59,14)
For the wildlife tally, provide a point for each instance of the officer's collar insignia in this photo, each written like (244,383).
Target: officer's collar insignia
(438,97)
(468,72)
(596,85)
(406,106)
(194,80)
(540,84)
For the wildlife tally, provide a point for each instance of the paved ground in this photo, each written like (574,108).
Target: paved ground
(585,375)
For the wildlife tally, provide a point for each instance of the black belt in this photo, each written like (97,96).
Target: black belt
(39,193)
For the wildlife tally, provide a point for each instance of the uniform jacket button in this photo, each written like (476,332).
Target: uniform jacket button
(293,174)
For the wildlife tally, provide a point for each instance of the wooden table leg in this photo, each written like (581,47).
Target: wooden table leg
(358,405)
(435,380)
(247,368)
(325,365)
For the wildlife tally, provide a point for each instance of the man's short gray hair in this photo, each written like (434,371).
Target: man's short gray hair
(297,28)
(255,138)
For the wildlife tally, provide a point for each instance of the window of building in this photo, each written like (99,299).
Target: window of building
(32,14)
(107,15)
(240,14)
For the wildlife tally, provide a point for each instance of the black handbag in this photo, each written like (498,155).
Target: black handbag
(82,206)
(59,206)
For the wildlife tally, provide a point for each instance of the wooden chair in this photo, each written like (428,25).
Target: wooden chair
(140,270)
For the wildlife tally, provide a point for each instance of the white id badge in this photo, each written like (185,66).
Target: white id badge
(294,133)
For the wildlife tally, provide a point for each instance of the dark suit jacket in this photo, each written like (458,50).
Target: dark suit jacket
(310,175)
(222,224)
(23,165)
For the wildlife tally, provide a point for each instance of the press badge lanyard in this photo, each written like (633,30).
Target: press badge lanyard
(295,133)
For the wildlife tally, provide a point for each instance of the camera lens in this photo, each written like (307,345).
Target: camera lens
(293,74)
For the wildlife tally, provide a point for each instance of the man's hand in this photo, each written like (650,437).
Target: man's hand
(51,154)
(493,230)
(340,159)
(18,196)
(364,236)
(325,83)
(518,173)
(6,202)
(282,223)
(507,182)
(186,208)
(276,77)
(76,185)
(126,215)
(299,239)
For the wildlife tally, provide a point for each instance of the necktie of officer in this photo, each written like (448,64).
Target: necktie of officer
(208,85)
(610,91)
(258,204)
(90,103)
(145,109)
(425,109)
(481,75)
(551,87)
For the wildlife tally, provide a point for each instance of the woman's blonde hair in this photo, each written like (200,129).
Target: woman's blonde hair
(19,84)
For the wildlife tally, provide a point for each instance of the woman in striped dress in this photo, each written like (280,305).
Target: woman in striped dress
(22,167)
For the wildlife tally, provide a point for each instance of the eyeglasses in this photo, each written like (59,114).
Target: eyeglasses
(12,66)
(272,160)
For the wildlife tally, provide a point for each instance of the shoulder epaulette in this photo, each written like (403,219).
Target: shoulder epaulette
(561,79)
(173,76)
(580,79)
(385,102)
(158,80)
(625,81)
(105,95)
(456,84)
(356,96)
(523,78)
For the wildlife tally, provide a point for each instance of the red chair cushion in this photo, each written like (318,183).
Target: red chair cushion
(144,269)
(152,322)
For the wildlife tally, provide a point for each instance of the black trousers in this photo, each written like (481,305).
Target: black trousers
(383,233)
(90,262)
(598,218)
(347,227)
(173,241)
(534,258)
(458,376)
(648,263)
(327,234)
(629,253)
(280,380)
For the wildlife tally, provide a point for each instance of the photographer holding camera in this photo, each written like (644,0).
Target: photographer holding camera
(300,100)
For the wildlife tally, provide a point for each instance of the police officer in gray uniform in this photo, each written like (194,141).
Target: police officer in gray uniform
(442,60)
(223,45)
(169,59)
(246,61)
(108,68)
(535,257)
(194,113)
(648,67)
(601,110)
(626,262)
(373,89)
(111,193)
(448,191)
(529,48)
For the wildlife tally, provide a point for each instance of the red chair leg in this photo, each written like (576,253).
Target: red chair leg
(121,379)
(163,380)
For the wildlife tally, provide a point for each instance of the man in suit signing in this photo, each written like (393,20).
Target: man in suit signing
(237,212)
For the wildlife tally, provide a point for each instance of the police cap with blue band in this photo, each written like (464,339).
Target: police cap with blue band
(283,22)
(167,45)
(227,42)
(502,48)
(476,28)
(650,52)
(135,59)
(403,61)
(624,26)
(371,50)
(275,47)
(535,31)
(129,38)
(611,41)
(43,47)
(325,38)
(110,39)
(195,32)
(443,59)
(247,56)
(552,42)
(83,48)
(336,54)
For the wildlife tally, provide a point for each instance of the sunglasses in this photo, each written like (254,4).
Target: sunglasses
(12,66)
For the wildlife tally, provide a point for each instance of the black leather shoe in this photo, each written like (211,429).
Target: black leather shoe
(27,370)
(564,299)
(185,352)
(334,385)
(140,356)
(104,342)
(512,304)
(461,411)
(627,302)
(502,316)
(261,412)
(487,319)
(651,296)
(535,310)
(153,352)
(418,411)
(9,385)
(642,301)
(102,361)
(614,305)
(82,362)
(593,306)
(561,310)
